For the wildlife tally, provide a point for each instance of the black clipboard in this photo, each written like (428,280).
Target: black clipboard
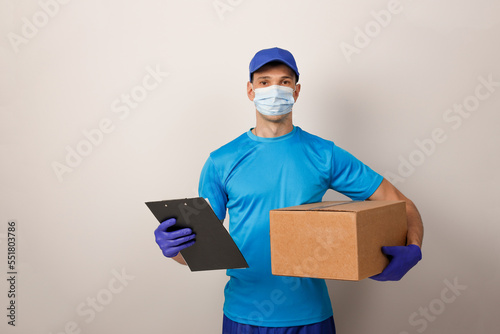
(214,248)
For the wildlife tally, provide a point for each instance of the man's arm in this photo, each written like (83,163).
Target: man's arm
(386,191)
(402,258)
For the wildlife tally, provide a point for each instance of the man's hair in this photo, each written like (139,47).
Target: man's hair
(271,65)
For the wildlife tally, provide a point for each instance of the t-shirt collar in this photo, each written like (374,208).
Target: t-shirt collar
(271,139)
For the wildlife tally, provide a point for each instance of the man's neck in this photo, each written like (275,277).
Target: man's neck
(269,129)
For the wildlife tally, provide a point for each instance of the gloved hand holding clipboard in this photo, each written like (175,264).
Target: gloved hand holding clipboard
(214,248)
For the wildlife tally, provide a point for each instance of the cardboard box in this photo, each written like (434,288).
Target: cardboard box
(335,240)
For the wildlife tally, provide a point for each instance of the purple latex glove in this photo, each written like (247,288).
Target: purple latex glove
(171,243)
(402,259)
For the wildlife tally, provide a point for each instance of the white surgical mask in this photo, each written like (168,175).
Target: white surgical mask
(274,100)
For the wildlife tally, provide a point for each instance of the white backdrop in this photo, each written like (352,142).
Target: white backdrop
(107,104)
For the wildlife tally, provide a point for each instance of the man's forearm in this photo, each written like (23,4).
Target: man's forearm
(386,191)
(179,259)
(415,232)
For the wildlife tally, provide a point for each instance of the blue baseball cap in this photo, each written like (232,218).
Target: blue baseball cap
(265,56)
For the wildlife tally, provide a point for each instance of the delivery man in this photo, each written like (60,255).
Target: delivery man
(274,165)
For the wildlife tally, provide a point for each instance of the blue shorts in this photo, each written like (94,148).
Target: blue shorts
(324,327)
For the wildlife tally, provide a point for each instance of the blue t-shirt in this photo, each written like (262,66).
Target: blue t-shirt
(252,175)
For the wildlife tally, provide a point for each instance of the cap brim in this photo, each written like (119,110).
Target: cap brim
(258,66)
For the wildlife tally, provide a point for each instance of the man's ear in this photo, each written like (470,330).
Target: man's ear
(250,92)
(296,93)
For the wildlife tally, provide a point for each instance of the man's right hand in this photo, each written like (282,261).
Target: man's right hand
(171,243)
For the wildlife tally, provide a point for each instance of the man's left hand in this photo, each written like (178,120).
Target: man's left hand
(402,259)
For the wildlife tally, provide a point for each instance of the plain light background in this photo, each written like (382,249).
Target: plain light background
(74,234)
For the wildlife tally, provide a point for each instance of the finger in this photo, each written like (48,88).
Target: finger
(178,234)
(186,245)
(166,224)
(170,252)
(178,241)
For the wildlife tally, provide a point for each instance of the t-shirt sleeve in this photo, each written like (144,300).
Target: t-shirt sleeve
(351,177)
(211,187)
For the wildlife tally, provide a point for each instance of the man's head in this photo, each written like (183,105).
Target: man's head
(274,67)
(264,59)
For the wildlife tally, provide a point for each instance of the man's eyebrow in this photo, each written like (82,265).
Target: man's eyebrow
(268,77)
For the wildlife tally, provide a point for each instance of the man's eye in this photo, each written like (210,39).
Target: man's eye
(263,83)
